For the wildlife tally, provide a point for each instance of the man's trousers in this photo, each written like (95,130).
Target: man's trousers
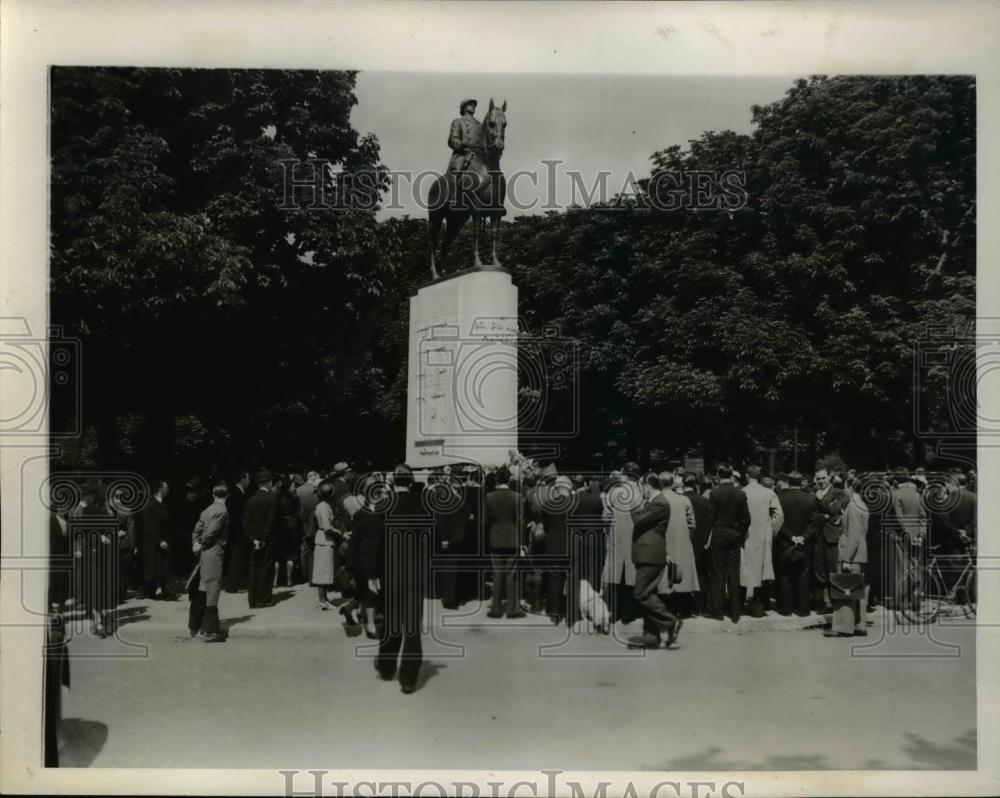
(794,585)
(505,581)
(260,584)
(656,618)
(825,559)
(725,581)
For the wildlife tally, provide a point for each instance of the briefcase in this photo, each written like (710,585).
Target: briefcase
(847,586)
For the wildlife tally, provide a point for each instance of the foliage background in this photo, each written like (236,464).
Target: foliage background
(221,330)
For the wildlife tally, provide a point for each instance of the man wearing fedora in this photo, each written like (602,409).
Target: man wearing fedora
(259,520)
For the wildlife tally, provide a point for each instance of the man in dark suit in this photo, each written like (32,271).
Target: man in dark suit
(831,503)
(587,535)
(308,499)
(793,545)
(699,539)
(958,526)
(649,554)
(237,556)
(451,517)
(553,501)
(730,517)
(156,536)
(474,544)
(505,525)
(405,552)
(260,519)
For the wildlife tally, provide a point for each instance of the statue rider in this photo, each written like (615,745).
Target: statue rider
(463,139)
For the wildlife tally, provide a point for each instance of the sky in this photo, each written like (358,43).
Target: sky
(590,123)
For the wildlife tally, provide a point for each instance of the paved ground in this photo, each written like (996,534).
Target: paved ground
(290,690)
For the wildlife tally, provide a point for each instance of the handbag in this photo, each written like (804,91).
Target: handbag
(673,573)
(344,582)
(846,586)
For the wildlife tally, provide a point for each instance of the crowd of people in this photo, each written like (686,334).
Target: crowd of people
(585,551)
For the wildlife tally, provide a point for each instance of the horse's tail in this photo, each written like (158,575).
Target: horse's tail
(437,195)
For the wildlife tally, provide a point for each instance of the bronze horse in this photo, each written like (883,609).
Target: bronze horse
(478,191)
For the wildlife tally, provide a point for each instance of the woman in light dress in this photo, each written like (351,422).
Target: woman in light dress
(325,544)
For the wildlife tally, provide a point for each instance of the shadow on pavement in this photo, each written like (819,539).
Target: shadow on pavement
(922,753)
(285,595)
(427,672)
(960,755)
(131,615)
(714,758)
(225,623)
(82,742)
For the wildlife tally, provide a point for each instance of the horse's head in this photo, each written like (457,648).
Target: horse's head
(495,127)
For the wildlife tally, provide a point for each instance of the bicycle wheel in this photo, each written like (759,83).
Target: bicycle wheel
(919,595)
(970,590)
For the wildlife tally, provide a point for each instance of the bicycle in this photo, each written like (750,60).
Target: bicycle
(922,591)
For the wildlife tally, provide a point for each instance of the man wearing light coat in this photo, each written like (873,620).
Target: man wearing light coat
(766,518)
(623,496)
(208,542)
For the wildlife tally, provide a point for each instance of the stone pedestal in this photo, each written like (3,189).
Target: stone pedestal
(462,370)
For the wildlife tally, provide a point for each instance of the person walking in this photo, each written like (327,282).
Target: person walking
(649,555)
(409,529)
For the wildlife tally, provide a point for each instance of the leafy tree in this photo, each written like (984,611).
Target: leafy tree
(194,285)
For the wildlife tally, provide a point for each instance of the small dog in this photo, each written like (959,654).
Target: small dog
(596,616)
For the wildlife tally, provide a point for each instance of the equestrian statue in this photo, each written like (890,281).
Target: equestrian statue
(474,186)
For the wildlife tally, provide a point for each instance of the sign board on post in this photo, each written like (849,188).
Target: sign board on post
(695,465)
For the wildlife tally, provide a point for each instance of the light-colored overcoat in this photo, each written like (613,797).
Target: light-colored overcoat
(766,518)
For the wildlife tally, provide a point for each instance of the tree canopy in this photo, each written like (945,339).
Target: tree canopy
(256,332)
